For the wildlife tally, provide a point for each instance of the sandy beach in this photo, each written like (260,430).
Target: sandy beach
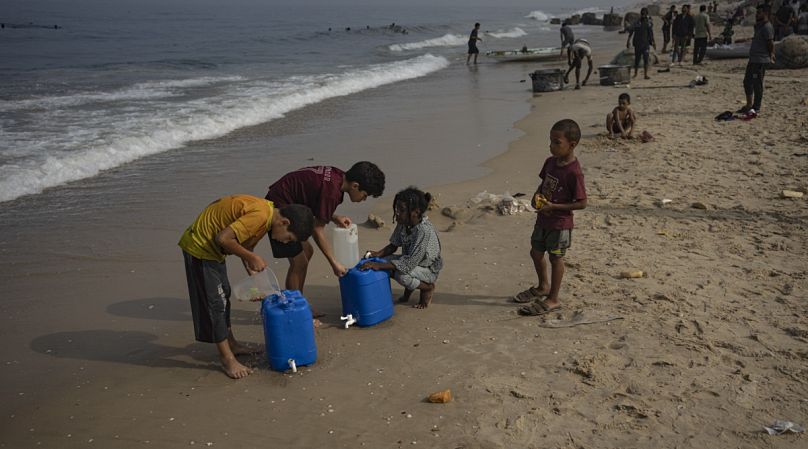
(706,349)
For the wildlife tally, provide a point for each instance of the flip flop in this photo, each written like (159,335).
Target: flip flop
(537,308)
(529,295)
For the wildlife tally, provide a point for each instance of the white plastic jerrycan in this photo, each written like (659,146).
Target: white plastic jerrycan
(345,242)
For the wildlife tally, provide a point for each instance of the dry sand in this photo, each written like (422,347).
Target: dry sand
(708,348)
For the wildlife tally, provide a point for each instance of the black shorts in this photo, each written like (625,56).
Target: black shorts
(285,250)
(554,241)
(209,291)
(473,48)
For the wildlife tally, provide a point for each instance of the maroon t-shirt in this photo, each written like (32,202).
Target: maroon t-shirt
(315,187)
(560,184)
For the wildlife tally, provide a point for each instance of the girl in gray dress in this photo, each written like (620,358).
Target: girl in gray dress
(419,263)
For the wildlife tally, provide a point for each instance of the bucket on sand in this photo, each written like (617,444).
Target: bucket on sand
(547,80)
(612,74)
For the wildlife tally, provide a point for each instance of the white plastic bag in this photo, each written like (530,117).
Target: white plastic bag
(257,287)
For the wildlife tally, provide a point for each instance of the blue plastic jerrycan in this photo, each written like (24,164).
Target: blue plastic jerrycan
(288,331)
(366,295)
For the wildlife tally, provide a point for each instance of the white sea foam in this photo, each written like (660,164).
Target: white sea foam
(141,91)
(538,15)
(447,40)
(513,32)
(89,141)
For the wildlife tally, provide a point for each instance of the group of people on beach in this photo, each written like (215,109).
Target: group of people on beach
(297,206)
(301,203)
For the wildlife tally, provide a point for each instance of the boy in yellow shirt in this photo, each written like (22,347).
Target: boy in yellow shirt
(232,225)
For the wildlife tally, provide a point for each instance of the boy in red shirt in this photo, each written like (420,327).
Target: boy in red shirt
(322,189)
(561,191)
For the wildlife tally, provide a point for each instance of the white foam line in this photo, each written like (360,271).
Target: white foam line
(151,133)
(447,40)
(140,91)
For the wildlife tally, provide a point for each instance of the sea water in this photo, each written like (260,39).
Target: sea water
(117,82)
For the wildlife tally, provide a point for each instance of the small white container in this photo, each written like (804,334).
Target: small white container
(345,242)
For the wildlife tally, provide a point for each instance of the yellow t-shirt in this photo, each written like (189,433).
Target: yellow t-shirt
(247,215)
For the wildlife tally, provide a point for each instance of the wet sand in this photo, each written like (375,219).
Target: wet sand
(703,352)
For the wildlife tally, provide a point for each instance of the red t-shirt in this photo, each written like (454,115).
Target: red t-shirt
(315,187)
(560,184)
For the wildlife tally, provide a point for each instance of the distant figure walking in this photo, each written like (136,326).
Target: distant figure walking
(682,32)
(643,39)
(784,21)
(567,39)
(802,23)
(667,20)
(701,34)
(761,54)
(473,38)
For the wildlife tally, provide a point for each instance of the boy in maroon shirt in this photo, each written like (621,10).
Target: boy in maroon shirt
(322,189)
(561,191)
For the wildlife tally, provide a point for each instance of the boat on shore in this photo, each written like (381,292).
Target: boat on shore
(732,51)
(525,54)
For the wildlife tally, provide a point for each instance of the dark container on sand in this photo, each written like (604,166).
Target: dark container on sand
(611,74)
(547,80)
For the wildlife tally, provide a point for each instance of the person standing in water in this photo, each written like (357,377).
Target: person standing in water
(473,50)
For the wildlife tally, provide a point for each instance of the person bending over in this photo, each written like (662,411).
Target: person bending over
(232,225)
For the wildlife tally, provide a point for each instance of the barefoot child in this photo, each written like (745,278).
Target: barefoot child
(622,119)
(232,225)
(419,263)
(561,191)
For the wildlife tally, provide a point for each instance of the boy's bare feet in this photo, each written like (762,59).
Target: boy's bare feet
(426,295)
(234,369)
(406,296)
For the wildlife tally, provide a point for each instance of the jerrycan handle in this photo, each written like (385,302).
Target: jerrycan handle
(367,259)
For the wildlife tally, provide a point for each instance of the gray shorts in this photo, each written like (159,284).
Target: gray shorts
(209,291)
(553,241)
(413,279)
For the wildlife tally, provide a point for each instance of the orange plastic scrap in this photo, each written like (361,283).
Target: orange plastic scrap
(440,397)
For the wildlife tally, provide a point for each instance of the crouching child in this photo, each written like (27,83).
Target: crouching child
(419,263)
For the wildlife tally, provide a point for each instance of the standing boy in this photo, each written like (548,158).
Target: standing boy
(473,50)
(567,39)
(322,189)
(561,191)
(667,20)
(643,39)
(231,225)
(701,35)
(761,54)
